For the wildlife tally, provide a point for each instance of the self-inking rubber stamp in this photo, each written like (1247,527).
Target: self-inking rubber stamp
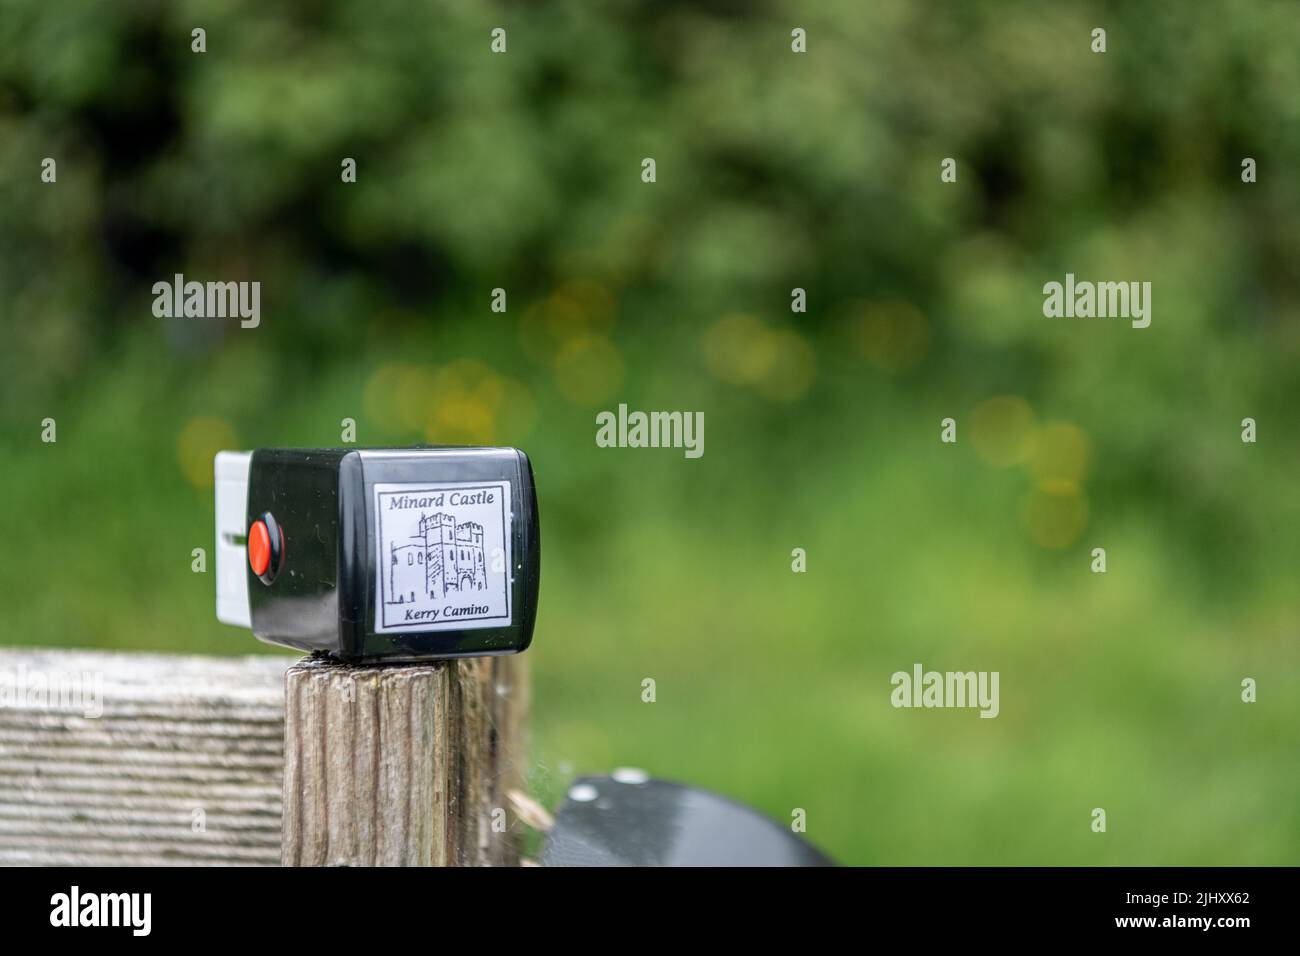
(379,554)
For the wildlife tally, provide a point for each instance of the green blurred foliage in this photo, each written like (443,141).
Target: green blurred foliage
(775,171)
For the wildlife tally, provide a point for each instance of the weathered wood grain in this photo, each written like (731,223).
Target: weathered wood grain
(402,765)
(187,763)
(182,767)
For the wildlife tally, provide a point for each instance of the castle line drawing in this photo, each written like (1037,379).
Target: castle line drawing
(442,556)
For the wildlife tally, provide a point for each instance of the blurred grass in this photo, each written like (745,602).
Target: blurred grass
(1118,690)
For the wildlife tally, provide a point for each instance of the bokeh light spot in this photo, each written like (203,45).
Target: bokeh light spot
(1059,450)
(588,371)
(200,440)
(462,404)
(1055,513)
(793,368)
(739,349)
(1001,429)
(894,336)
(578,309)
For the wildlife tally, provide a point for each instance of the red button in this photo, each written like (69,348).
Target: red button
(259,548)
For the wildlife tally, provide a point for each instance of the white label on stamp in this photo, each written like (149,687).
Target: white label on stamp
(442,556)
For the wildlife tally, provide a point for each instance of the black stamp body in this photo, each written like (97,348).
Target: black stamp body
(382,554)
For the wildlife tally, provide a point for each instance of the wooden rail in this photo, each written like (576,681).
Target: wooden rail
(150,759)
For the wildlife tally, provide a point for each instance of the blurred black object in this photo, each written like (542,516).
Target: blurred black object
(630,820)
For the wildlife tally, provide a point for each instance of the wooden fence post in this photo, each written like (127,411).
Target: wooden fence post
(403,765)
(126,759)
